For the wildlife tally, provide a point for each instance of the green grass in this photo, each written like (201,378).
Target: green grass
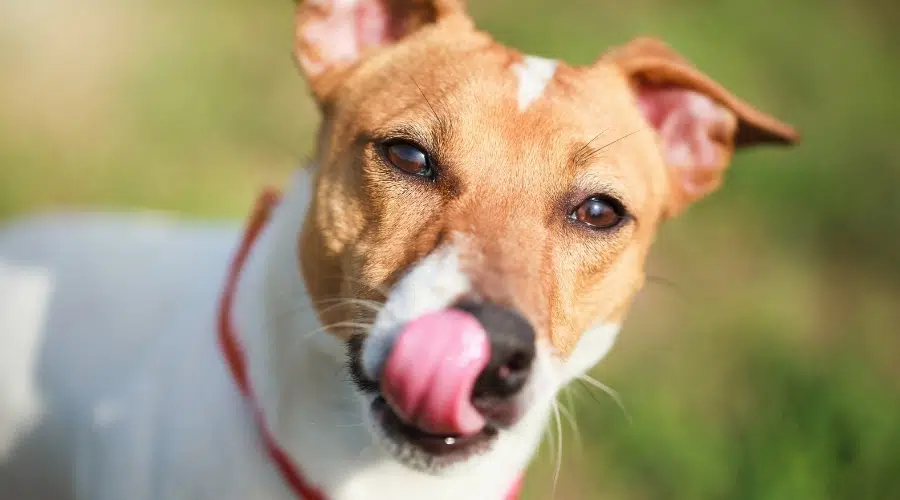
(762,360)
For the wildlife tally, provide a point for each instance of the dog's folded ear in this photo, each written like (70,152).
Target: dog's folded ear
(699,123)
(332,35)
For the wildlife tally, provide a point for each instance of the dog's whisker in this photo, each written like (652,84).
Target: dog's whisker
(609,392)
(559,447)
(433,111)
(284,315)
(659,280)
(369,305)
(569,413)
(300,339)
(567,392)
(375,288)
(351,300)
(300,306)
(278,317)
(362,327)
(348,324)
(668,285)
(551,439)
(582,149)
(587,154)
(300,293)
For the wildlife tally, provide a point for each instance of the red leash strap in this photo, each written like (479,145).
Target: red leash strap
(234,354)
(227,337)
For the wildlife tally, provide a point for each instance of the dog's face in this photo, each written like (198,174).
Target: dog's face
(489,213)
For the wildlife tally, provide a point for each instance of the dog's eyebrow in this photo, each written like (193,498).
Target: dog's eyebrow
(433,111)
(443,124)
(583,155)
(405,131)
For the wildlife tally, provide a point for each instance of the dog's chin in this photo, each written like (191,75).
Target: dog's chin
(417,449)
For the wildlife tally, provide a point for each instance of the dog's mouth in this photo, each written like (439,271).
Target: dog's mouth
(444,446)
(406,438)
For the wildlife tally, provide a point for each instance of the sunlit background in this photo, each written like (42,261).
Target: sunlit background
(763,359)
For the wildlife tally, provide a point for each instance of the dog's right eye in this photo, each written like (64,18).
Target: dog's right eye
(409,158)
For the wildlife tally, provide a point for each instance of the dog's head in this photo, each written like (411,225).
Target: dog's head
(486,214)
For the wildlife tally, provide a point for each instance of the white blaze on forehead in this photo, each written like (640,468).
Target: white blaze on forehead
(532,75)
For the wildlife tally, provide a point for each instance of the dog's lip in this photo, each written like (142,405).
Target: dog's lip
(354,365)
(450,446)
(433,444)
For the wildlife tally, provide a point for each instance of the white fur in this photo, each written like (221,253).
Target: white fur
(591,348)
(24,296)
(533,75)
(118,389)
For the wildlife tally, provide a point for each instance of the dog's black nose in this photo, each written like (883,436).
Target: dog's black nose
(512,342)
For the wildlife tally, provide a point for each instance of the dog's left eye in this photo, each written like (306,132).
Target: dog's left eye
(409,158)
(599,212)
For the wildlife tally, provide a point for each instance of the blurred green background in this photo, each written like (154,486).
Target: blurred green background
(763,359)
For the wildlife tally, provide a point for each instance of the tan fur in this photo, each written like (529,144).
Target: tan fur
(507,178)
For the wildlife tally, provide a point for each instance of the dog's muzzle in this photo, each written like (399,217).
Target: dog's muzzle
(456,371)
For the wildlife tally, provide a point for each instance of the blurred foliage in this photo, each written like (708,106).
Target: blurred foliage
(761,362)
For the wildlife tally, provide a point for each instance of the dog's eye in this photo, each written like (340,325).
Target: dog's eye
(409,158)
(599,212)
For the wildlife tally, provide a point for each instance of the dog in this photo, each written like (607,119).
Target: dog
(397,323)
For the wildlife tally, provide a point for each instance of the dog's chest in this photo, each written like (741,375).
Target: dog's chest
(119,390)
(175,431)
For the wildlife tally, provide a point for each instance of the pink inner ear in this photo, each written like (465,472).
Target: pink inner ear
(686,121)
(373,24)
(341,29)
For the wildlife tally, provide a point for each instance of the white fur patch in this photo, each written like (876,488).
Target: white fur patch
(24,296)
(533,75)
(431,285)
(591,348)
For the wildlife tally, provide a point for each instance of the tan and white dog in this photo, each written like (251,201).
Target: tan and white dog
(468,241)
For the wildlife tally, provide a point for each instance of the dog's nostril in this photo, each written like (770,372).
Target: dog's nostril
(496,387)
(509,376)
(518,362)
(512,342)
(513,349)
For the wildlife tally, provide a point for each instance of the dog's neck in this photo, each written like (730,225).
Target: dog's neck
(299,377)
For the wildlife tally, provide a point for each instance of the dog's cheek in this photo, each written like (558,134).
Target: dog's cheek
(590,349)
(547,377)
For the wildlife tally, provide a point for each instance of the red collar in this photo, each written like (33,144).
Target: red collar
(234,355)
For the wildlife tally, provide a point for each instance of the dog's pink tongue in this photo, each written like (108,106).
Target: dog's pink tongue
(431,370)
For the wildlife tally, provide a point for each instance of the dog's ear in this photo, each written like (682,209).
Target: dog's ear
(699,123)
(332,35)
